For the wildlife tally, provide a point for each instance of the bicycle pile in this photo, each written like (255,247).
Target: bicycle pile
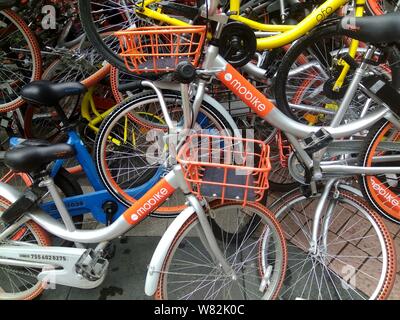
(197,112)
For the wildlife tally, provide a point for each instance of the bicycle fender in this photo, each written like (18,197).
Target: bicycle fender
(160,254)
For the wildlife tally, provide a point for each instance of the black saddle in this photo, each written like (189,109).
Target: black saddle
(5,4)
(49,94)
(32,156)
(375,30)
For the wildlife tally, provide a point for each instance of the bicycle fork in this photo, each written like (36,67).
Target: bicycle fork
(208,238)
(318,215)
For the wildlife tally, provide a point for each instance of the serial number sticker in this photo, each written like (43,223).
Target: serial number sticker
(43,257)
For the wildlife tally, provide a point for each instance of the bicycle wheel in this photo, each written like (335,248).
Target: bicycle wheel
(21,283)
(381,149)
(305,79)
(98,16)
(258,258)
(355,256)
(118,77)
(379,7)
(138,122)
(82,64)
(20,59)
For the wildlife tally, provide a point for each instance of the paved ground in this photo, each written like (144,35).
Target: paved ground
(128,268)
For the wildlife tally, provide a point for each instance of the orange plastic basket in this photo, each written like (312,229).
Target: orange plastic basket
(159,49)
(225,168)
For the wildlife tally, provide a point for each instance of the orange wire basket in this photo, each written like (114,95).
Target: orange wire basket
(225,168)
(159,49)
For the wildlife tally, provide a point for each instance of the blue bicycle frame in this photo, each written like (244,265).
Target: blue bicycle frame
(90,202)
(93,202)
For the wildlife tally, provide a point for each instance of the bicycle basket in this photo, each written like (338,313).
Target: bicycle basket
(225,168)
(159,49)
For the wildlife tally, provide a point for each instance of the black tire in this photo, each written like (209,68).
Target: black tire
(285,86)
(363,159)
(67,183)
(94,36)
(126,104)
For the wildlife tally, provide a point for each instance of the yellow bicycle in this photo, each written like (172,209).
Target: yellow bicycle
(151,11)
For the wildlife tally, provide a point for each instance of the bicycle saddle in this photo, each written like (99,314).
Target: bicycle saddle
(5,4)
(375,29)
(33,155)
(48,94)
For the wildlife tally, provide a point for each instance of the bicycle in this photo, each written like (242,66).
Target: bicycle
(265,68)
(316,158)
(138,13)
(254,228)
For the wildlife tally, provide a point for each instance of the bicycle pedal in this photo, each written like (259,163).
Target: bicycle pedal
(109,251)
(317,141)
(91,265)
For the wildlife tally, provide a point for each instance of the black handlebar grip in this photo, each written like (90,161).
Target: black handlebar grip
(130,86)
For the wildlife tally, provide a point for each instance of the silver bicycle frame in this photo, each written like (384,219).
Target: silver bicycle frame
(52,258)
(214,63)
(294,130)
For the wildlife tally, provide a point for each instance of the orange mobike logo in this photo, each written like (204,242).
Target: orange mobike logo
(385,195)
(245,91)
(147,204)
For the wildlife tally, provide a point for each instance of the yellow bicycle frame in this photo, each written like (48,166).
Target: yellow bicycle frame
(288,33)
(88,106)
(94,117)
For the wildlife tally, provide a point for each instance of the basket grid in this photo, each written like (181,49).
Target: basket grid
(160,49)
(226,168)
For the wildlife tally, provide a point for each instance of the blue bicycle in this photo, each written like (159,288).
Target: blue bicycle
(113,192)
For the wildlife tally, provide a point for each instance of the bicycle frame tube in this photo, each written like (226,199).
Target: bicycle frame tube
(262,106)
(84,159)
(289,32)
(308,23)
(359,12)
(93,201)
(142,208)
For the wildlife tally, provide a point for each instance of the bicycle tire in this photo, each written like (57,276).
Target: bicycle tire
(181,246)
(325,96)
(373,187)
(34,49)
(376,8)
(138,100)
(94,37)
(334,272)
(43,239)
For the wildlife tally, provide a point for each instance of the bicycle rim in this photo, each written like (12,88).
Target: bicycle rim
(16,71)
(355,257)
(258,259)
